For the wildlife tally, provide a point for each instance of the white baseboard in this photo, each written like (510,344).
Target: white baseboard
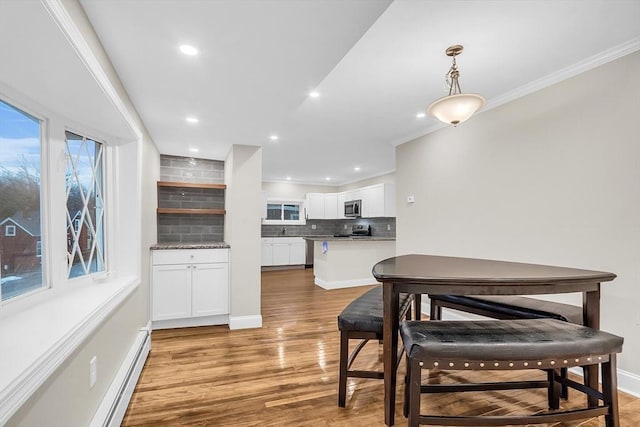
(628,382)
(245,322)
(344,283)
(221,319)
(115,402)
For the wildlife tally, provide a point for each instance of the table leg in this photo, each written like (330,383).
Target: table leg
(591,318)
(390,347)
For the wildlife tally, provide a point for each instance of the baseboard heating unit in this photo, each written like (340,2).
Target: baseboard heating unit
(115,402)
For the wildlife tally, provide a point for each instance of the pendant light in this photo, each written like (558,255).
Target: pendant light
(457,106)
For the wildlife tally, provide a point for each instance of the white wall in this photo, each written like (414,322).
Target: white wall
(551,178)
(243,175)
(389,178)
(290,190)
(65,398)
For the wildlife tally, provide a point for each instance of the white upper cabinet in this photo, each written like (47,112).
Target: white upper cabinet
(315,205)
(322,205)
(377,201)
(342,197)
(331,206)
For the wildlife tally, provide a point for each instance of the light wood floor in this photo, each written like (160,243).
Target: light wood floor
(286,373)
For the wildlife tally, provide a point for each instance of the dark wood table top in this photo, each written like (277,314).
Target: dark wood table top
(445,270)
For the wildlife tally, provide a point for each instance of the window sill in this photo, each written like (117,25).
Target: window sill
(37,339)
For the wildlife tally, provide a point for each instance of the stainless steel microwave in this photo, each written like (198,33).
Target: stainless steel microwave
(352,208)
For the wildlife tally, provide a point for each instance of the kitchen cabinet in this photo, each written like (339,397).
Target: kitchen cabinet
(283,251)
(322,205)
(190,284)
(378,201)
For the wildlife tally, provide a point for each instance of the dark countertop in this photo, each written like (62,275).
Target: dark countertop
(209,245)
(350,238)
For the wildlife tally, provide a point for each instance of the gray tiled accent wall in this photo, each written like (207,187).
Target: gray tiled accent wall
(178,228)
(190,198)
(191,169)
(185,228)
(329,227)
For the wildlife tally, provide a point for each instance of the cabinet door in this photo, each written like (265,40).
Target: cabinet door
(297,253)
(267,254)
(331,206)
(171,292)
(209,289)
(373,201)
(315,205)
(342,197)
(281,254)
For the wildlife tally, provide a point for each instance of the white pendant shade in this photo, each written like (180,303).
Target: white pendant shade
(455,109)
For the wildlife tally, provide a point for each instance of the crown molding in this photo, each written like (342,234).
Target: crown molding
(585,65)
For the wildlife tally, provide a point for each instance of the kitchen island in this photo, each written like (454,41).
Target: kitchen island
(342,262)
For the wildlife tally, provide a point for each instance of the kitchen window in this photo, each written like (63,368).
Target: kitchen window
(284,212)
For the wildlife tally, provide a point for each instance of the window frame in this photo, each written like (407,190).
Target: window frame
(6,230)
(44,137)
(282,221)
(107,163)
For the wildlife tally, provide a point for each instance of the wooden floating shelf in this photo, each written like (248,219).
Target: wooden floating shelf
(191,185)
(192,211)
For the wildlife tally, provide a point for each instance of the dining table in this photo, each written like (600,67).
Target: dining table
(440,275)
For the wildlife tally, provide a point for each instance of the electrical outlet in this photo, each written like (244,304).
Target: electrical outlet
(313,226)
(388,227)
(345,226)
(93,371)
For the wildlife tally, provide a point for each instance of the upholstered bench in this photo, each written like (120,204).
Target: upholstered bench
(362,319)
(508,307)
(547,344)
(505,307)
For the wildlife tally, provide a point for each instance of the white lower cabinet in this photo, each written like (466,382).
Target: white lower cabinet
(283,251)
(189,285)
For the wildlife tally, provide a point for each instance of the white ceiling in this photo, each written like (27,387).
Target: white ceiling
(376,64)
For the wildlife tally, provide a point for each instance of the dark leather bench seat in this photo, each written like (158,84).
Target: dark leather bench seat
(548,344)
(509,307)
(362,319)
(364,313)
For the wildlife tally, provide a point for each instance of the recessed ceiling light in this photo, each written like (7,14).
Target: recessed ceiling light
(192,119)
(328,178)
(421,115)
(188,50)
(314,94)
(288,178)
(357,168)
(193,150)
(273,137)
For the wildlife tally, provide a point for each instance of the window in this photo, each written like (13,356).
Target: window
(20,166)
(10,230)
(38,248)
(284,212)
(85,205)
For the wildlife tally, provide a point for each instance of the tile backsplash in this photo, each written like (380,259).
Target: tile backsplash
(189,228)
(382,227)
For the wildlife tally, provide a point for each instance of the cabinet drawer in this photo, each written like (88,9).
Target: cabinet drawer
(190,256)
